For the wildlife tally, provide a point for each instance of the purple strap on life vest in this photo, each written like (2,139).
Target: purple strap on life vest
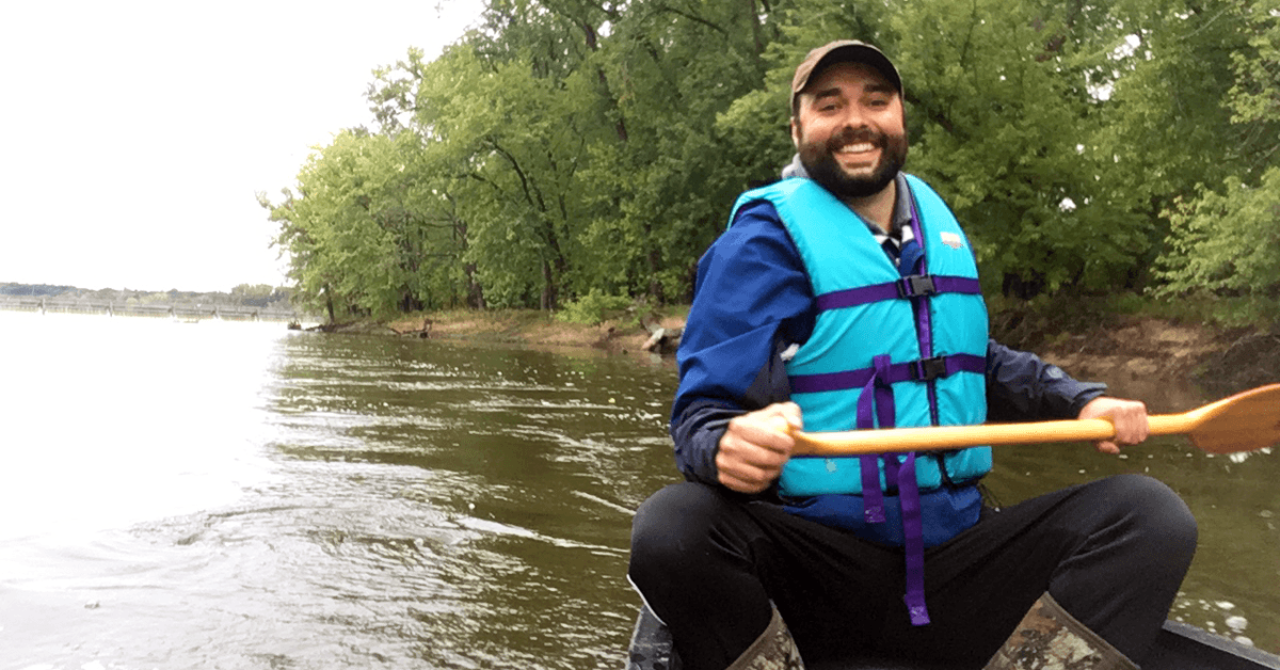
(872,496)
(904,475)
(877,397)
(908,488)
(908,287)
(913,540)
(924,321)
(924,370)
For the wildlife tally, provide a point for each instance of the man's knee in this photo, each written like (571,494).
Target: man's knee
(675,515)
(673,527)
(1156,512)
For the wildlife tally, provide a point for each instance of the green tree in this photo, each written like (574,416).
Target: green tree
(662,193)
(1226,240)
(1166,128)
(345,231)
(514,141)
(574,148)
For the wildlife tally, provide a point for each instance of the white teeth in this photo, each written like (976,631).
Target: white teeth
(857,148)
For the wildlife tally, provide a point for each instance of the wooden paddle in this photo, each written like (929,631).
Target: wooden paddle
(1244,422)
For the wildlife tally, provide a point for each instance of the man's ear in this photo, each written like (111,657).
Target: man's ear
(795,133)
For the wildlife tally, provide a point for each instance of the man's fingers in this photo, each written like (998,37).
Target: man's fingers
(766,433)
(750,458)
(790,412)
(1128,416)
(742,485)
(747,468)
(1133,427)
(745,478)
(741,448)
(756,445)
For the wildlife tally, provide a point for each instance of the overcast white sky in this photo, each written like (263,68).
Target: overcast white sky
(135,133)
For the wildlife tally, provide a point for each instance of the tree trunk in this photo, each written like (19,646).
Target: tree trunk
(549,291)
(475,295)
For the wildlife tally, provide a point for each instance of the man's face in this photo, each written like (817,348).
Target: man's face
(849,130)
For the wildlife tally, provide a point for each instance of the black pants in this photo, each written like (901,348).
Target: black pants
(709,563)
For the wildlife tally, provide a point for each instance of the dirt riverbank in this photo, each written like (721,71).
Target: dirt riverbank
(531,328)
(1221,360)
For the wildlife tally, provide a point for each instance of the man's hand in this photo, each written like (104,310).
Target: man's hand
(755,447)
(1128,416)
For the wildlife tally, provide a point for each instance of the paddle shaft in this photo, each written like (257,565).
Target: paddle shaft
(953,437)
(1243,422)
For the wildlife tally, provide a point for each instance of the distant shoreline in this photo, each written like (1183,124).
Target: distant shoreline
(243,302)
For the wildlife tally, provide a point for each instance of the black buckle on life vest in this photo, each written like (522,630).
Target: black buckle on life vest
(916,285)
(929,369)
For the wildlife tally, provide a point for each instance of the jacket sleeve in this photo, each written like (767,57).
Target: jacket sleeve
(1022,387)
(752,299)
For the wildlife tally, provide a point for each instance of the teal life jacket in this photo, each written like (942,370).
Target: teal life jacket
(886,350)
(922,337)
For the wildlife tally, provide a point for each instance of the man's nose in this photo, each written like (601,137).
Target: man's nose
(854,117)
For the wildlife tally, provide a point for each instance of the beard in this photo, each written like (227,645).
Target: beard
(820,162)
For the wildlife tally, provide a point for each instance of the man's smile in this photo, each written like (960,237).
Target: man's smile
(861,147)
(858,156)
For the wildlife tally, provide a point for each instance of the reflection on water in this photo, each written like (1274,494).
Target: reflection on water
(233,495)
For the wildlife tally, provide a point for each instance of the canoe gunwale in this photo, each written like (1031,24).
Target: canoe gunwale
(1180,646)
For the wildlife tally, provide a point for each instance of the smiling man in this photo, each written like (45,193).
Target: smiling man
(858,159)
(846,296)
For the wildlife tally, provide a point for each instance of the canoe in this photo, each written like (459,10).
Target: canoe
(1179,647)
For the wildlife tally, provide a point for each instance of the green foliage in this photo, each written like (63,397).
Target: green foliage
(1198,307)
(1255,96)
(565,151)
(1226,242)
(1003,108)
(593,308)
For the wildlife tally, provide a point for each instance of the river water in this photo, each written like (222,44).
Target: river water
(237,495)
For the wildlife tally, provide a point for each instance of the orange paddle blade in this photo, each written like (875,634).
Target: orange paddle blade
(1243,422)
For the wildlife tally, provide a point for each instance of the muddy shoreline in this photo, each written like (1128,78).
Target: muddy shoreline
(1221,361)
